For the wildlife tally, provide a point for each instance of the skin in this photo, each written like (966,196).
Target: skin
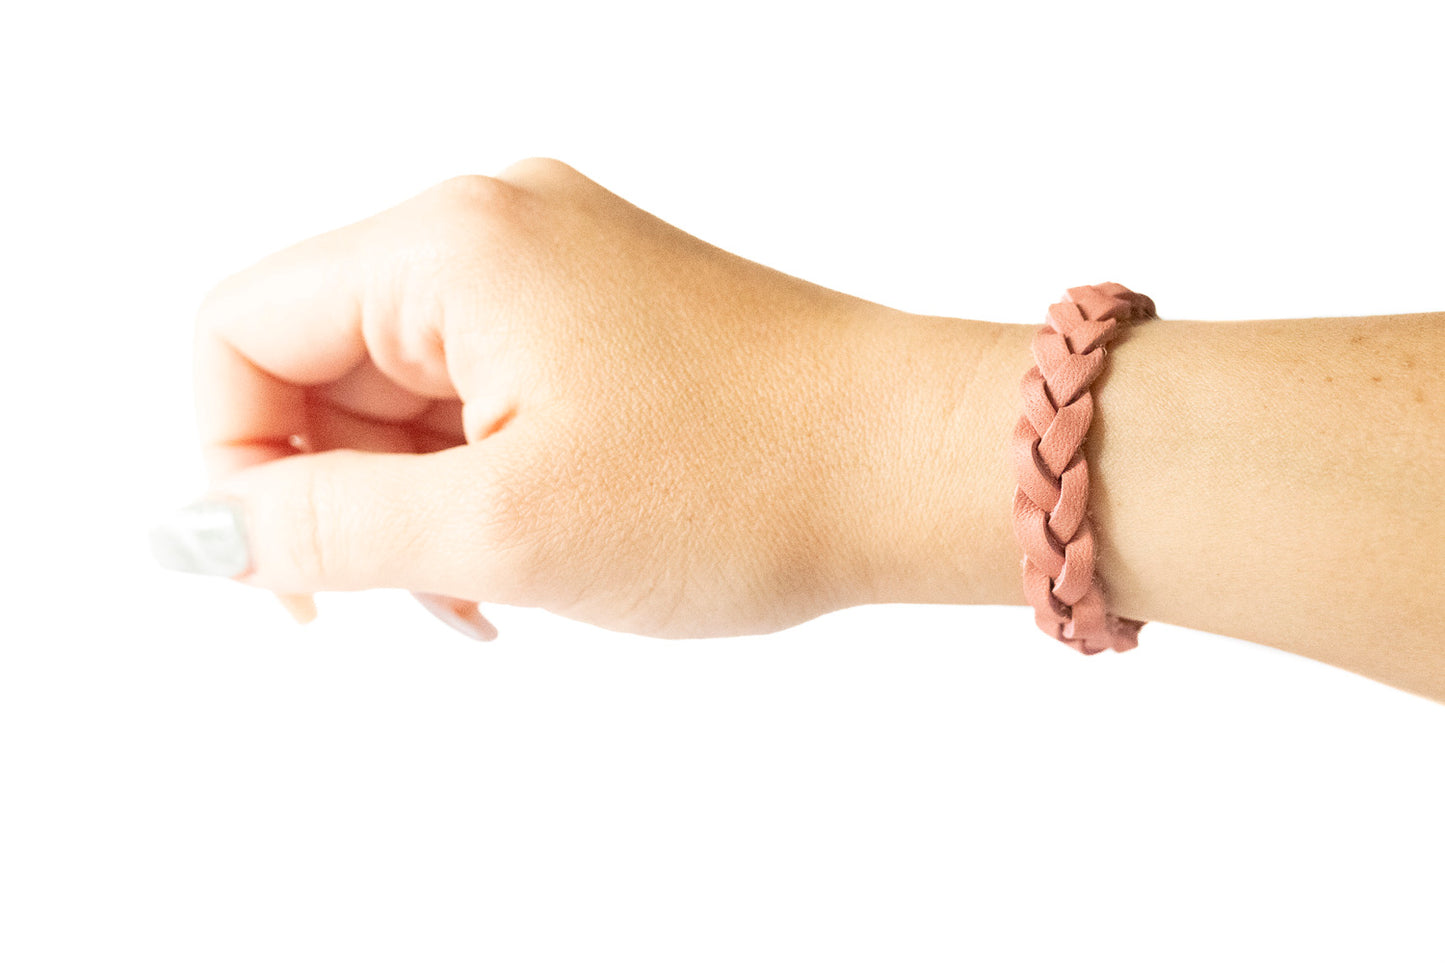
(1273,481)
(523,389)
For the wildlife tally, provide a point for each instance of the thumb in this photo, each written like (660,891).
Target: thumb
(340,520)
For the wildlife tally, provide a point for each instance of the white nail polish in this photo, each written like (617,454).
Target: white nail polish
(441,607)
(206,537)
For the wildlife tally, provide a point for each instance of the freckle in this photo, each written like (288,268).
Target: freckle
(1375,378)
(1419,396)
(1328,378)
(1409,361)
(1357,339)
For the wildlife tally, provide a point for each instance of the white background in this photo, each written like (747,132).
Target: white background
(186,775)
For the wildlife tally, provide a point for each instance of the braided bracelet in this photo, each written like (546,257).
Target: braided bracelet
(1050,503)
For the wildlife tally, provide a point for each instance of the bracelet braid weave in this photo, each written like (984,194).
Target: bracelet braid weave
(1050,505)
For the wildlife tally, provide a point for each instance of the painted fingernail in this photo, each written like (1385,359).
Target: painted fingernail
(206,537)
(460,615)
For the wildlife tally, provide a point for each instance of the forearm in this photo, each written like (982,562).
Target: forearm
(1278,481)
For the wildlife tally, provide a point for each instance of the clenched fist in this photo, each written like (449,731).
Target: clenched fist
(523,389)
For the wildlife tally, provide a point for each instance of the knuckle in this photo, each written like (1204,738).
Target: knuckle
(474,190)
(303,517)
(538,172)
(472,206)
(308,541)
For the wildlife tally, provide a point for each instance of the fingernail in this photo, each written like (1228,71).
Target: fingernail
(206,537)
(302,608)
(470,622)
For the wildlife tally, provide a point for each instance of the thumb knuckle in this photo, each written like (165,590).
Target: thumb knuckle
(309,544)
(310,520)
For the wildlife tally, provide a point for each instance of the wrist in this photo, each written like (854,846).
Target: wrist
(927,507)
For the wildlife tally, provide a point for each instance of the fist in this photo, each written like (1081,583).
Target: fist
(524,389)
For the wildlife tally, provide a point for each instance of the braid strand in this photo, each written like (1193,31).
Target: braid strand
(1050,509)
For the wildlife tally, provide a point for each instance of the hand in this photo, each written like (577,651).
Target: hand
(524,389)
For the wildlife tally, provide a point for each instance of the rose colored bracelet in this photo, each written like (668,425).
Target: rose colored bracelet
(1051,501)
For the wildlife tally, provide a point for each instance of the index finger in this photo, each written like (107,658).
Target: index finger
(264,335)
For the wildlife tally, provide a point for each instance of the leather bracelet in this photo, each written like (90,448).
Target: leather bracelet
(1050,509)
